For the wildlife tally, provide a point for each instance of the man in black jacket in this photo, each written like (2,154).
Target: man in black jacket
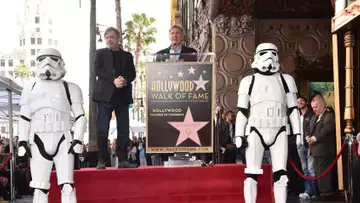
(176,51)
(115,70)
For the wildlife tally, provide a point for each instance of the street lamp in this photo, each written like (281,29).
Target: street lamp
(98,32)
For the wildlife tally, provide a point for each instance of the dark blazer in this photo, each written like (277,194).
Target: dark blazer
(161,57)
(104,70)
(308,115)
(324,131)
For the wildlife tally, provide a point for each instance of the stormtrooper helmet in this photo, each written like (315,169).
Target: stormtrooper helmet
(266,59)
(50,65)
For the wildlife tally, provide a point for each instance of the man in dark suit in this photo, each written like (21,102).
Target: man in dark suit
(322,145)
(115,70)
(227,137)
(176,51)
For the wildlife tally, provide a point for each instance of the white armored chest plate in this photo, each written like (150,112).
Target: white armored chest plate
(268,102)
(49,94)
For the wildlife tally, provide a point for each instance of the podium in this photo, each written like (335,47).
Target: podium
(180,98)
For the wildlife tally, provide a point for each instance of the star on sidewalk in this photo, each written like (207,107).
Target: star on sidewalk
(200,83)
(188,128)
(191,70)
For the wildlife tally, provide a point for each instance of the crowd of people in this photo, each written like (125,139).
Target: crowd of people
(22,171)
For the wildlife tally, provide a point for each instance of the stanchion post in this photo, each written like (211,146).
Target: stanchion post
(11,143)
(349,114)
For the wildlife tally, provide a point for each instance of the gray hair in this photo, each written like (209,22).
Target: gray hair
(112,29)
(319,101)
(181,28)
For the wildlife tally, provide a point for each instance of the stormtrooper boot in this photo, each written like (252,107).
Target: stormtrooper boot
(40,196)
(68,194)
(250,190)
(280,189)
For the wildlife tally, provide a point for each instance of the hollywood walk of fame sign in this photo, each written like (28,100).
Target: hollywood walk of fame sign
(179,107)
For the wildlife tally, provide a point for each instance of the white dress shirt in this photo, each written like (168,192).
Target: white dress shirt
(176,51)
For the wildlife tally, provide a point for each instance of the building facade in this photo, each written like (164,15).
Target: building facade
(36,21)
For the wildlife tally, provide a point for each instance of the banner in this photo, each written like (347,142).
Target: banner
(179,107)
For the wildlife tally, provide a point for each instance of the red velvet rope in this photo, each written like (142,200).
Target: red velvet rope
(325,172)
(6,161)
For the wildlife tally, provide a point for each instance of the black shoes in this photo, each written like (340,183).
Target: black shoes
(122,164)
(100,165)
(126,164)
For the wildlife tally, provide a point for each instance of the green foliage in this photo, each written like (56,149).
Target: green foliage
(23,72)
(139,33)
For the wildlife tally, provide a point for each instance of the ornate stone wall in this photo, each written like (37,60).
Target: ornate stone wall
(234,48)
(226,28)
(309,39)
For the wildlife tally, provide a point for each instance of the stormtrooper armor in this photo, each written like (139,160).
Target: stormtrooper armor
(266,100)
(47,109)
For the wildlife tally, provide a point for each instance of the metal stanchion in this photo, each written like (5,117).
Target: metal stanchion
(351,141)
(11,142)
(217,153)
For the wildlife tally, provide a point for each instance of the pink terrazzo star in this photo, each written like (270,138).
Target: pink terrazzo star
(188,128)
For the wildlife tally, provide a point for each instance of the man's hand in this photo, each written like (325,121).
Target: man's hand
(222,150)
(123,81)
(308,139)
(120,82)
(117,82)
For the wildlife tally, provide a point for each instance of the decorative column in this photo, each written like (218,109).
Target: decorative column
(349,114)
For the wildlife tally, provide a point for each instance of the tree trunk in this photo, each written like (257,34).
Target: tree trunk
(118,19)
(92,82)
(137,89)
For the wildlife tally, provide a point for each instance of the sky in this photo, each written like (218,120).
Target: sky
(72,22)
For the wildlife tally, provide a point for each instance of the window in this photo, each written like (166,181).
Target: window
(2,62)
(37,50)
(39,40)
(49,41)
(22,62)
(10,63)
(24,42)
(32,52)
(50,21)
(37,29)
(32,63)
(21,42)
(2,73)
(50,31)
(37,20)
(32,40)
(55,42)
(11,73)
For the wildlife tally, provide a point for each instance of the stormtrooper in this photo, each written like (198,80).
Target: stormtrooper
(48,107)
(266,101)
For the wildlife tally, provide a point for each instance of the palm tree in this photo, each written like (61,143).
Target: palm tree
(118,19)
(139,34)
(92,80)
(23,72)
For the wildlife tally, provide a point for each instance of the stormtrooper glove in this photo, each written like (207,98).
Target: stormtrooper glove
(75,147)
(24,149)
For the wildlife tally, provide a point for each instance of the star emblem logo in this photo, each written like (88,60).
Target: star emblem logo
(188,128)
(191,70)
(200,83)
(180,74)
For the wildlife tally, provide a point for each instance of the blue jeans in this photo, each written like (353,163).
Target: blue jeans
(308,167)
